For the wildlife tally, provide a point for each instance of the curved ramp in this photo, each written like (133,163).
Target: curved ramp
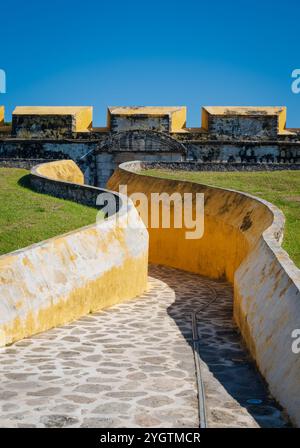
(132,365)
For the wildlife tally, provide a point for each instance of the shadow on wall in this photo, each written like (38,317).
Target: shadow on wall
(241,242)
(233,375)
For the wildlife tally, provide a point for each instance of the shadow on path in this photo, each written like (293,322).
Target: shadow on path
(233,385)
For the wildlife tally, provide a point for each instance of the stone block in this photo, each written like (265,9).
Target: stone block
(50,122)
(165,119)
(261,122)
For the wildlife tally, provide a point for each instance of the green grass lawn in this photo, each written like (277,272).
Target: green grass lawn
(282,188)
(27,217)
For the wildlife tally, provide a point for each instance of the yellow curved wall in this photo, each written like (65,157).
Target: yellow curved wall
(60,279)
(65,170)
(223,246)
(241,242)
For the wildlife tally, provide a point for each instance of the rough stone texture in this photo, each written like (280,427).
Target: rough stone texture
(119,123)
(50,122)
(157,134)
(132,365)
(32,126)
(164,119)
(237,122)
(260,126)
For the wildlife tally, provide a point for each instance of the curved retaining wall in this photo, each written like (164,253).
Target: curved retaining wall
(60,279)
(241,242)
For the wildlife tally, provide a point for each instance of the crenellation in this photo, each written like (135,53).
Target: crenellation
(163,119)
(246,122)
(1,116)
(50,122)
(228,135)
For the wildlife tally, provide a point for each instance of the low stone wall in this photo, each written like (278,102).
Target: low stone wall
(241,242)
(220,167)
(63,278)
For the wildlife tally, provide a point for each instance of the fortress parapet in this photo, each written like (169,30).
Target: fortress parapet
(51,122)
(230,136)
(165,119)
(219,122)
(244,121)
(1,116)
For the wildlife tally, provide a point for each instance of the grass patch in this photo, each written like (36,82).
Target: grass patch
(27,217)
(282,188)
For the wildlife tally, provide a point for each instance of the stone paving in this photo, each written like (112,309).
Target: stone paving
(132,365)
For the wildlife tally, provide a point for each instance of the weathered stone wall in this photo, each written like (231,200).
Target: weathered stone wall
(120,123)
(31,126)
(98,159)
(244,122)
(50,122)
(63,278)
(242,242)
(163,119)
(228,135)
(263,126)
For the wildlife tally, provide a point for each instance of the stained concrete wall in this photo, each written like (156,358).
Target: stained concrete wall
(63,278)
(241,242)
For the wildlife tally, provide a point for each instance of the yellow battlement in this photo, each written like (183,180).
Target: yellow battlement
(83,115)
(1,115)
(222,121)
(176,116)
(209,112)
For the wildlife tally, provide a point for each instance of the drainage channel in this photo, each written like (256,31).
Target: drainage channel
(224,367)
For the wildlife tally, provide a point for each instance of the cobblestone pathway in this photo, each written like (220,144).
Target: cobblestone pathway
(132,365)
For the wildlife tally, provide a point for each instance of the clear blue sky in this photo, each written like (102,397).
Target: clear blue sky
(151,52)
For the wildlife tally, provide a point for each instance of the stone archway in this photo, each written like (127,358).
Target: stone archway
(136,144)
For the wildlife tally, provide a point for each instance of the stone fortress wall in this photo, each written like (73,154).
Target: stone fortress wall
(238,137)
(63,278)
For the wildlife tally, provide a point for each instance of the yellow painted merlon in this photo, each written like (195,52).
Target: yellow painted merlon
(83,115)
(1,115)
(245,111)
(176,114)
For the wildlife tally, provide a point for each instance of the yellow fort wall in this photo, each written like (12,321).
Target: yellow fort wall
(83,115)
(223,246)
(1,115)
(63,278)
(177,115)
(26,118)
(241,242)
